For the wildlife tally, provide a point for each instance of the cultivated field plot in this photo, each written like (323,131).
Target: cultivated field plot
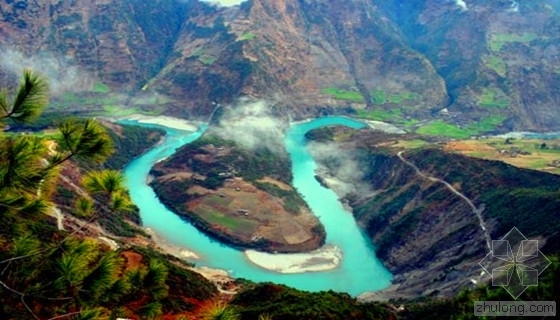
(248,213)
(536,154)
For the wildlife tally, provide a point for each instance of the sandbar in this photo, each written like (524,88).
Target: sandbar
(166,121)
(383,126)
(326,258)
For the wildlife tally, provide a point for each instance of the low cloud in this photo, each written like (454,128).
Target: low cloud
(461,4)
(62,75)
(342,165)
(251,125)
(225,3)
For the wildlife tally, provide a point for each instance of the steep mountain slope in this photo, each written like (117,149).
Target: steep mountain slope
(121,43)
(381,59)
(497,57)
(292,52)
(432,214)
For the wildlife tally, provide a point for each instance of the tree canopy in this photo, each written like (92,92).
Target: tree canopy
(47,273)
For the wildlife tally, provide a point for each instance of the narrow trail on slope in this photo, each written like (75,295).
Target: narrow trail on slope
(475,210)
(59,218)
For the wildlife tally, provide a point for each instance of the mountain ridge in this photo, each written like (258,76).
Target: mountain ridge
(432,60)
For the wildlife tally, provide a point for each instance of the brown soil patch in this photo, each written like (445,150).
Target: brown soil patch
(198,190)
(294,233)
(277,183)
(133,259)
(114,127)
(468,146)
(247,214)
(176,176)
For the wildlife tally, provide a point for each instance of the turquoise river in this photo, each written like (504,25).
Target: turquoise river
(360,271)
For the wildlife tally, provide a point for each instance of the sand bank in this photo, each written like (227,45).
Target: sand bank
(326,258)
(166,121)
(383,126)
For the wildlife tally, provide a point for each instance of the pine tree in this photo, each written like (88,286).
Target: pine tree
(42,276)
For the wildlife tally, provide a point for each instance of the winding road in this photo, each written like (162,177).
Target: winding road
(475,210)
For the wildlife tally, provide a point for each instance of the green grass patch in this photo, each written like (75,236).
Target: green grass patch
(119,111)
(402,97)
(341,94)
(207,59)
(215,201)
(382,97)
(486,124)
(378,97)
(490,99)
(498,40)
(77,99)
(530,145)
(235,224)
(198,52)
(246,36)
(497,64)
(100,87)
(440,128)
(71,97)
(380,115)
(538,164)
(411,144)
(408,122)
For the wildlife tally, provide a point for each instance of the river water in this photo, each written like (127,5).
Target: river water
(359,272)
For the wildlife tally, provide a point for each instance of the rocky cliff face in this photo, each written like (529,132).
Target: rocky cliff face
(497,57)
(425,233)
(308,57)
(122,43)
(291,52)
(305,47)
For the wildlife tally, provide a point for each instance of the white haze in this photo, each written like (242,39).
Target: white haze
(225,3)
(462,4)
(61,74)
(251,125)
(514,6)
(348,173)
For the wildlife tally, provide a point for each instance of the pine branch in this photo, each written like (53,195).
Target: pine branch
(28,308)
(31,98)
(22,298)
(58,246)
